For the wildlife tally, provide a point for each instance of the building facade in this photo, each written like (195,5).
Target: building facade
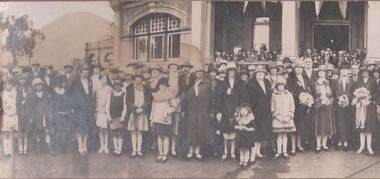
(164,31)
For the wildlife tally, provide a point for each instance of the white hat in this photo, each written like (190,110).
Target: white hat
(231,65)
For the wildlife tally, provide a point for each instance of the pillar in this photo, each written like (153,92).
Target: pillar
(116,6)
(290,26)
(202,29)
(373,31)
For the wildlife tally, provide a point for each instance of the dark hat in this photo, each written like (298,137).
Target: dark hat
(136,65)
(273,65)
(114,70)
(244,71)
(175,64)
(212,68)
(35,64)
(22,76)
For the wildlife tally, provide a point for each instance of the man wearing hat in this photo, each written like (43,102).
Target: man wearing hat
(260,90)
(251,70)
(343,115)
(36,71)
(84,111)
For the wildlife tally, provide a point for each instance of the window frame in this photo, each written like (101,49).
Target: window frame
(149,35)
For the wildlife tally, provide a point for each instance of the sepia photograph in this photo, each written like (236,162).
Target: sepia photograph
(190,89)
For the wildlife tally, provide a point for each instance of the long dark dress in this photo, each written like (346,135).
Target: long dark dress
(199,129)
(343,115)
(260,104)
(323,116)
(39,113)
(302,111)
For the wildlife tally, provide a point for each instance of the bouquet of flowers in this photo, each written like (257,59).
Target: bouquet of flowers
(361,97)
(343,101)
(306,99)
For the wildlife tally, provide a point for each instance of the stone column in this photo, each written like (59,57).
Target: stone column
(373,31)
(116,6)
(202,28)
(290,26)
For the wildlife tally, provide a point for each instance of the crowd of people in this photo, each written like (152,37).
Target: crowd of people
(226,109)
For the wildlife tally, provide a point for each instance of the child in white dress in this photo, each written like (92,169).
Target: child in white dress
(10,117)
(102,94)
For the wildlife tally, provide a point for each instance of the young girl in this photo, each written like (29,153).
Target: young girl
(282,107)
(102,94)
(137,103)
(116,111)
(161,117)
(10,118)
(245,128)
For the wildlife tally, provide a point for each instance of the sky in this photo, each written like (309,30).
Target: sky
(43,13)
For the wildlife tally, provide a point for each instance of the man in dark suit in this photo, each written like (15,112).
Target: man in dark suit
(84,110)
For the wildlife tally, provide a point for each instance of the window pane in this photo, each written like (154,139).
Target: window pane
(173,23)
(157,47)
(174,45)
(141,48)
(141,28)
(157,24)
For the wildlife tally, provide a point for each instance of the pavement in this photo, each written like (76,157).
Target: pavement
(332,164)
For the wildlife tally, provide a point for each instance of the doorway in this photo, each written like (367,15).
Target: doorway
(333,36)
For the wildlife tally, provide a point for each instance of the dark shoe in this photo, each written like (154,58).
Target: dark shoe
(292,153)
(325,149)
(164,159)
(345,148)
(338,148)
(252,162)
(198,157)
(317,150)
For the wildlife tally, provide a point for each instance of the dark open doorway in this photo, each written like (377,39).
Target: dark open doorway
(335,37)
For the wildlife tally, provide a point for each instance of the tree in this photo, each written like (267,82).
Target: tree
(20,37)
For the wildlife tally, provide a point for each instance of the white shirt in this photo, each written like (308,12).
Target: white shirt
(39,94)
(344,83)
(85,84)
(262,84)
(196,87)
(232,82)
(300,79)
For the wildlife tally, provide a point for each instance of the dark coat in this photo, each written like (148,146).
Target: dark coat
(40,110)
(84,106)
(343,116)
(131,108)
(199,129)
(227,103)
(23,108)
(302,112)
(261,106)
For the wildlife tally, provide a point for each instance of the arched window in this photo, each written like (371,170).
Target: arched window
(157,37)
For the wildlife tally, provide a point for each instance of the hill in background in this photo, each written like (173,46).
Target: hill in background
(66,38)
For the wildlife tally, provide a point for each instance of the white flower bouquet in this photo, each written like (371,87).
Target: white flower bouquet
(306,99)
(361,97)
(343,101)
